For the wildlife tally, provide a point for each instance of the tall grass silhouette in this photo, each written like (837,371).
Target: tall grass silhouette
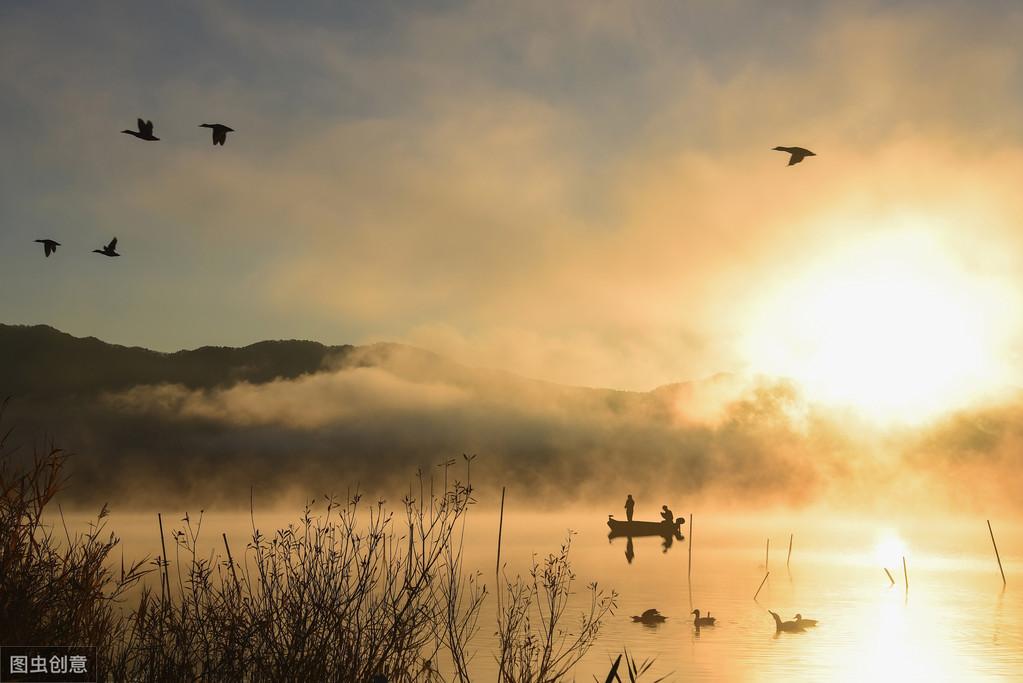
(55,587)
(351,591)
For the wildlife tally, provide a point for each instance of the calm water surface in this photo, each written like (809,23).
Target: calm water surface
(955,622)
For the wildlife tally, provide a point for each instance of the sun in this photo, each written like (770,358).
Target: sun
(890,549)
(893,326)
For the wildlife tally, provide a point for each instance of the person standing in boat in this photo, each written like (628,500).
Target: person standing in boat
(667,515)
(630,505)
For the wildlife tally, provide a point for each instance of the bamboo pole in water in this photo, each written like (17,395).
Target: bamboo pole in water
(997,556)
(500,530)
(761,585)
(905,573)
(889,575)
(165,580)
(789,556)
(690,575)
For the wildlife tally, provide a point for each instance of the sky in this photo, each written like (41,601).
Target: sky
(578,192)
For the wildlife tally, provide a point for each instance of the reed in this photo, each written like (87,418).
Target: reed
(905,572)
(788,557)
(761,585)
(633,669)
(534,645)
(55,589)
(889,575)
(500,529)
(613,673)
(767,556)
(340,595)
(997,556)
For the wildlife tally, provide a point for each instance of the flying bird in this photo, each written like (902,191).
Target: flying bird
(108,250)
(145,131)
(797,154)
(49,246)
(220,132)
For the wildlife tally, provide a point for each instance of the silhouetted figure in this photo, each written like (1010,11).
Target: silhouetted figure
(145,131)
(667,515)
(630,505)
(805,623)
(220,132)
(49,246)
(787,626)
(109,250)
(699,621)
(797,154)
(650,616)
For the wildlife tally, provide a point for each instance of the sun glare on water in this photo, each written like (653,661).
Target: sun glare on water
(890,550)
(893,326)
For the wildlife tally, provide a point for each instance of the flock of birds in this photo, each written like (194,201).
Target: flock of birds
(798,624)
(220,131)
(144,132)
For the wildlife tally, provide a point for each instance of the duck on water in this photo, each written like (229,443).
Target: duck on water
(650,616)
(699,621)
(797,626)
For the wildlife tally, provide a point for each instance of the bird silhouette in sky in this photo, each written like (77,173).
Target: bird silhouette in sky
(220,132)
(108,250)
(797,154)
(49,246)
(145,131)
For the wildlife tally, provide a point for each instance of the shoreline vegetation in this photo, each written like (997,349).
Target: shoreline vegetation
(352,591)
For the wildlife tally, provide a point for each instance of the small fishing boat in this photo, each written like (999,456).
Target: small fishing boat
(635,528)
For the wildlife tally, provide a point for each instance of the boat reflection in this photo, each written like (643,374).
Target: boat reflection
(668,532)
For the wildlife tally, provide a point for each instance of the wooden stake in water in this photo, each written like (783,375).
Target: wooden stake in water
(500,530)
(690,575)
(165,580)
(889,575)
(761,585)
(905,573)
(997,556)
(789,556)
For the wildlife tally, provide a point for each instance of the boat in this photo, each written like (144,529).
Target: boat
(637,528)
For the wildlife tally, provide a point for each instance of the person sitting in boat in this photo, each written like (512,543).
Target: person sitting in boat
(667,515)
(630,505)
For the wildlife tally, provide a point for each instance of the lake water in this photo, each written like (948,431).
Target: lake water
(956,622)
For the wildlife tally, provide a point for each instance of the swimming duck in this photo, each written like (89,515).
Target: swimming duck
(789,626)
(702,621)
(650,616)
(805,622)
(796,154)
(145,131)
